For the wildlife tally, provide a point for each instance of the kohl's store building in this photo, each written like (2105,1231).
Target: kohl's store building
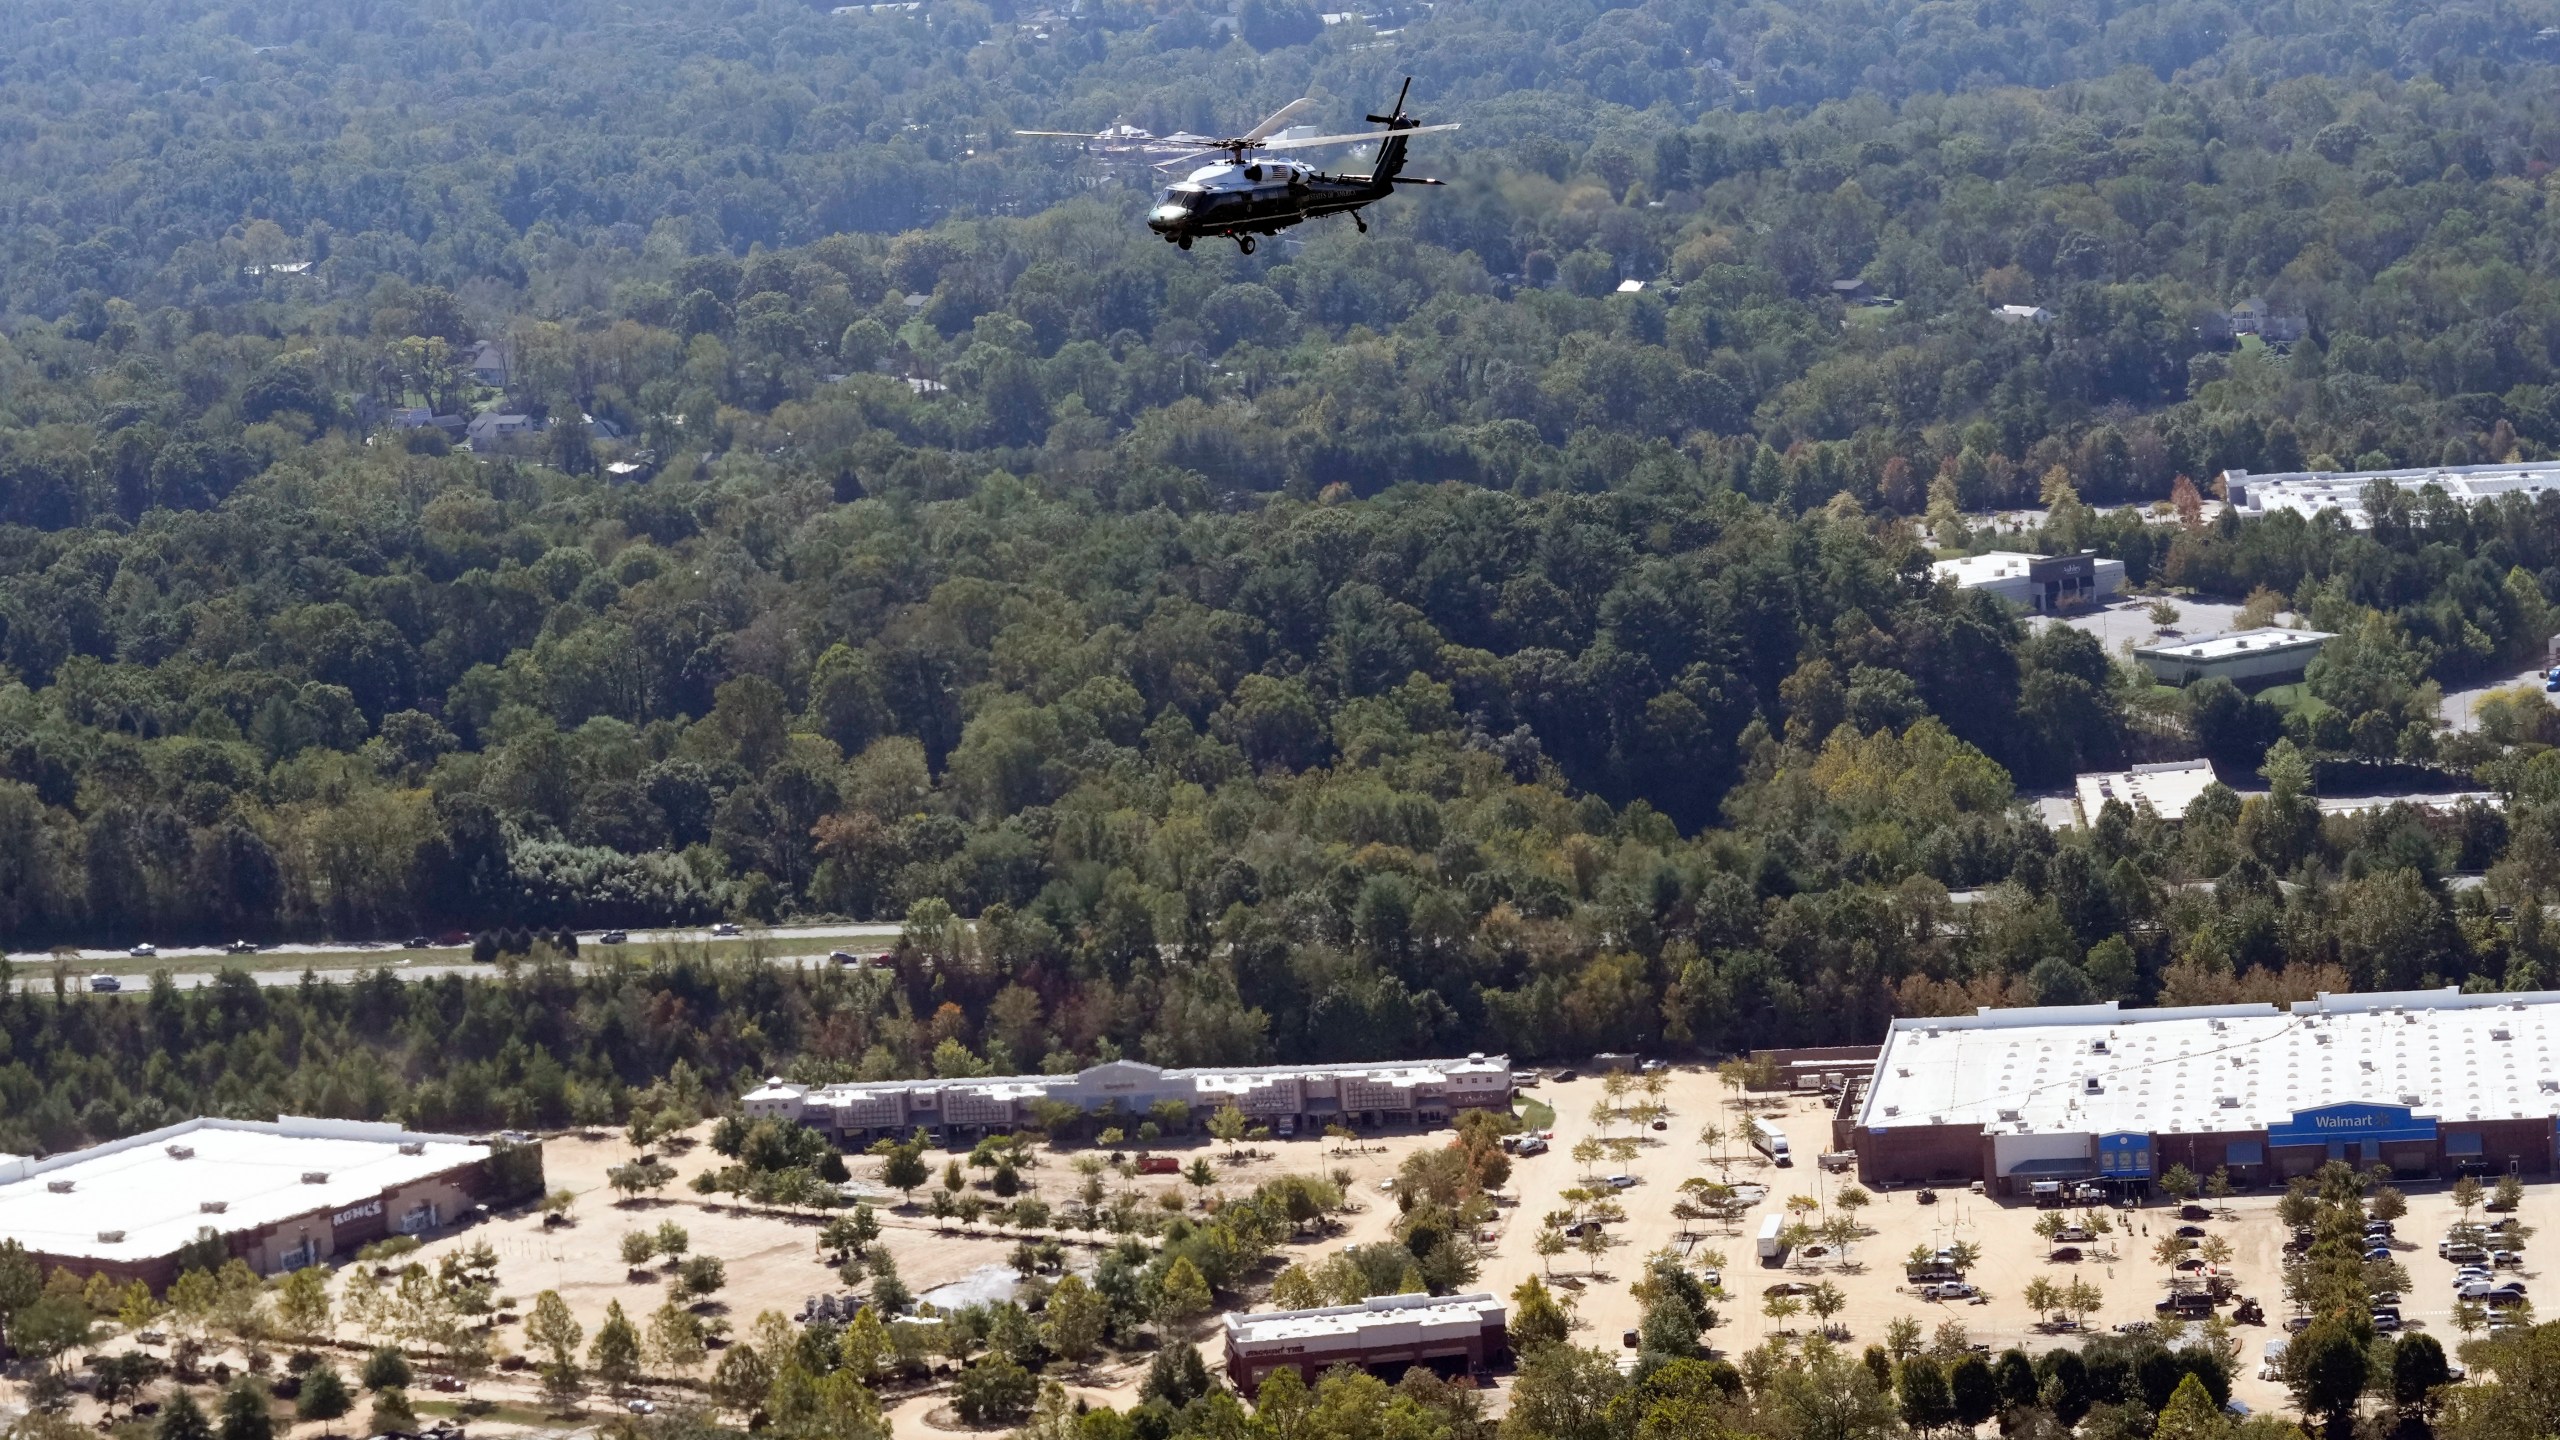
(2431,1083)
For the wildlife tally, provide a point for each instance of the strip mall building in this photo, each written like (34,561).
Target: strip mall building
(2429,1082)
(1403,1092)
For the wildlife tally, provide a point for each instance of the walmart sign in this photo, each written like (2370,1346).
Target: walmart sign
(2373,1124)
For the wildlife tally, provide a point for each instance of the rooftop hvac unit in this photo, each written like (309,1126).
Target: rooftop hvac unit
(110,1237)
(182,1152)
(2413,1098)
(2010,1115)
(2098,1047)
(2089,1084)
(315,1177)
(413,1147)
(212,1207)
(58,1187)
(2227,1102)
(2501,1034)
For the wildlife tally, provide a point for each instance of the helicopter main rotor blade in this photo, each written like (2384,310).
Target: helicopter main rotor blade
(1058,134)
(1279,117)
(1187,159)
(1369,135)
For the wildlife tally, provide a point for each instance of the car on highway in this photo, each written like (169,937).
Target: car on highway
(843,957)
(143,951)
(725,930)
(614,937)
(104,984)
(241,947)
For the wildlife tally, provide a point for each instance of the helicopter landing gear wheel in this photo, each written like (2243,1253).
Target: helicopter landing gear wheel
(1356,220)
(1244,243)
(1183,240)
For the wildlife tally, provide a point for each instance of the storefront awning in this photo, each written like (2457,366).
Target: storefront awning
(2054,1167)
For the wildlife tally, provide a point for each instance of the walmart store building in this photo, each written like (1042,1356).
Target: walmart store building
(2430,1083)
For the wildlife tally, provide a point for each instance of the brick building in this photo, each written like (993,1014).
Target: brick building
(1383,1332)
(2430,1083)
(279,1194)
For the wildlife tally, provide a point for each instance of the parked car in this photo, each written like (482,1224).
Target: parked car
(2506,1258)
(2072,1235)
(1524,1079)
(1532,1145)
(1564,1075)
(2377,1252)
(2296,1324)
(2386,1320)
(2472,1287)
(2447,1250)
(639,1406)
(1947,1290)
(2190,1232)
(614,937)
(1630,1339)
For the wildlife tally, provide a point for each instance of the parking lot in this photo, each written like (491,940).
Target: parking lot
(1871,1275)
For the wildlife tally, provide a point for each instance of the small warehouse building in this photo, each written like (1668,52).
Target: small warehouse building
(1383,1332)
(2432,1083)
(2268,655)
(278,1194)
(2037,584)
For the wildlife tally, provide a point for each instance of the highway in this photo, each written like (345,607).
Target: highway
(195,966)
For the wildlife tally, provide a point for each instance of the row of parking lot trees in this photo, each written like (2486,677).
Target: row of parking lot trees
(2333,1280)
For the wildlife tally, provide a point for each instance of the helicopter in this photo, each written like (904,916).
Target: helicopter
(1244,195)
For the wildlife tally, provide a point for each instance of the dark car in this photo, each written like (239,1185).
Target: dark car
(2190,1232)
(1564,1075)
(241,947)
(614,937)
(418,942)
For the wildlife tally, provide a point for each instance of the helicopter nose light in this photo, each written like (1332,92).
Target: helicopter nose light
(1166,216)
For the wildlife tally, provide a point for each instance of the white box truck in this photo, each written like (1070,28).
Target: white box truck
(1771,1141)
(1771,1228)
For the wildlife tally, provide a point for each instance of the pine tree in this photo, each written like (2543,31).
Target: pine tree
(244,1413)
(616,1351)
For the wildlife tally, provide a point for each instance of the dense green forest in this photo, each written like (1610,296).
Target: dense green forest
(1376,645)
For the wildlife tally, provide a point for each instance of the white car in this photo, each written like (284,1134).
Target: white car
(144,951)
(1947,1290)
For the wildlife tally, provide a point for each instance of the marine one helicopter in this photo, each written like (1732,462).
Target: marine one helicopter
(1244,195)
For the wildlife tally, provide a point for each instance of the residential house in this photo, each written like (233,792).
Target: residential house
(493,432)
(488,364)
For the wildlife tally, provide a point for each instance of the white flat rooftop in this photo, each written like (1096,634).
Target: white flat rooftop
(1984,568)
(2308,492)
(253,1169)
(1422,1314)
(2239,642)
(2167,788)
(2220,1068)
